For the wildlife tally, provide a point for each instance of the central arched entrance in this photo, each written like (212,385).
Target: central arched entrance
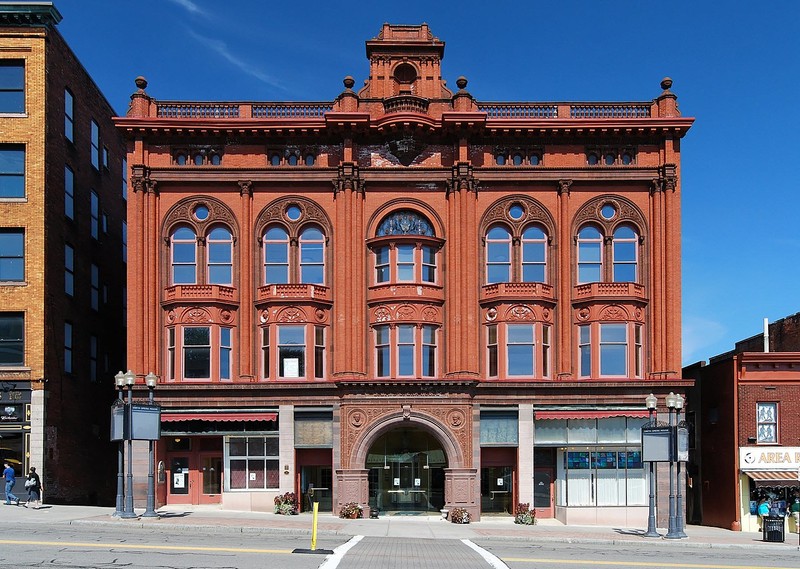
(406,472)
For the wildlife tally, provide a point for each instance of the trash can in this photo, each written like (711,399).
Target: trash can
(772,527)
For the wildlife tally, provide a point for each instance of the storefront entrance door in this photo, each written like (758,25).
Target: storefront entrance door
(543,492)
(194,478)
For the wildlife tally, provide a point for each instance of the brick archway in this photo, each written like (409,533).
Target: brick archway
(452,428)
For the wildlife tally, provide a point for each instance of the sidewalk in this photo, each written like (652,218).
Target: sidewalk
(190,518)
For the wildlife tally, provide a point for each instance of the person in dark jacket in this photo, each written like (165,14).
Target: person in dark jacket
(34,486)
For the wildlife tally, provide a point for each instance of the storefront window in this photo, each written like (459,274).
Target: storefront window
(252,462)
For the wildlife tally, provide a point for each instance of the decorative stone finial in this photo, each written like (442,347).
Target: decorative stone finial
(141,83)
(461,82)
(349,82)
(666,83)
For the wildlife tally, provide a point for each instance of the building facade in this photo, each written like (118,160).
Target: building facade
(405,297)
(748,438)
(62,276)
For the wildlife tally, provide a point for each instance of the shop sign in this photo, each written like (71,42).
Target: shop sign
(769,458)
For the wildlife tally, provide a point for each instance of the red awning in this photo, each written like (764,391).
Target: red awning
(774,478)
(175,417)
(591,414)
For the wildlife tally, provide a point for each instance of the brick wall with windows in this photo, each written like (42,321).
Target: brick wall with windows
(49,139)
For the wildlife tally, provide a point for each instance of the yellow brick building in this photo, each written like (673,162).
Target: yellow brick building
(62,213)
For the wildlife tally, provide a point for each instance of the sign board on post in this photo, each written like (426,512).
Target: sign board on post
(682,444)
(146,421)
(656,444)
(118,422)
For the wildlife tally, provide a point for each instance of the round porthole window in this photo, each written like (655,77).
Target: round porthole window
(293,212)
(516,211)
(608,211)
(201,213)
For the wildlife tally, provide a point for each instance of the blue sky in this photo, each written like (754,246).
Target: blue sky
(734,66)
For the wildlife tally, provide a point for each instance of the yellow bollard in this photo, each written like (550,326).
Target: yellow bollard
(314,528)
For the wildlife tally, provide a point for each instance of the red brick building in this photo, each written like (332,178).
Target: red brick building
(748,437)
(405,297)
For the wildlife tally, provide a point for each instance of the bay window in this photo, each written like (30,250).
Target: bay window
(199,353)
(518,350)
(610,349)
(293,351)
(516,256)
(405,350)
(299,259)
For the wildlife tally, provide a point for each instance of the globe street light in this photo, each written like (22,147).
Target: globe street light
(151,380)
(119,381)
(652,403)
(672,532)
(679,522)
(130,379)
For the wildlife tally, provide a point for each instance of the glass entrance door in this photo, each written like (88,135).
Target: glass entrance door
(497,490)
(406,473)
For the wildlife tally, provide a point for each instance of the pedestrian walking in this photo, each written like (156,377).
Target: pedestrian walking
(10,478)
(34,485)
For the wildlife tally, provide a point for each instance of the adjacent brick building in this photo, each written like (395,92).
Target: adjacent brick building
(405,297)
(62,276)
(748,437)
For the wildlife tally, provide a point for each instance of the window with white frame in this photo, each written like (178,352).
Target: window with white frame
(518,350)
(767,423)
(405,350)
(252,462)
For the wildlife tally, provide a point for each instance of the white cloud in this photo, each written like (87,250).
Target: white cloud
(221,48)
(698,335)
(190,6)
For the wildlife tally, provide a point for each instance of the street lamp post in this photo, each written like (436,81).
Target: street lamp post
(672,532)
(119,381)
(130,379)
(151,380)
(652,403)
(679,522)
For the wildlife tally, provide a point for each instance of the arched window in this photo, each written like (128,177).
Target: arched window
(312,256)
(534,255)
(498,255)
(590,255)
(405,249)
(276,256)
(625,253)
(220,256)
(183,245)
(198,159)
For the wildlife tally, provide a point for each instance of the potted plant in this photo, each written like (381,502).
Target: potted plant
(459,516)
(286,504)
(351,511)
(525,515)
